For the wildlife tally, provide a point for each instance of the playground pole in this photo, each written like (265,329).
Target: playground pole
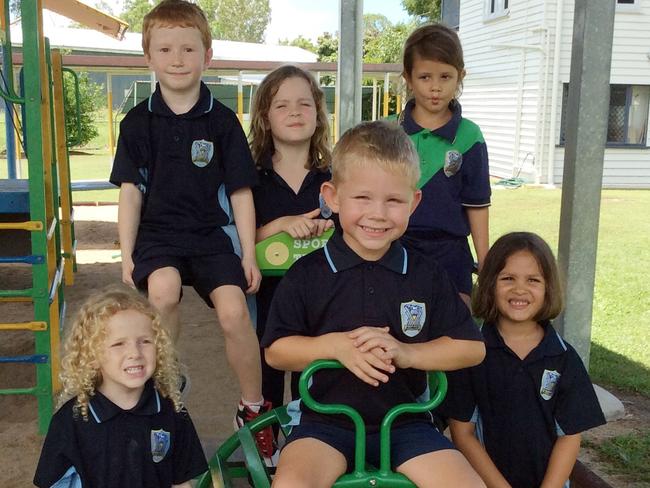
(587,109)
(350,64)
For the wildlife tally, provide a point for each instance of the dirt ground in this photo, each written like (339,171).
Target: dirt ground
(214,392)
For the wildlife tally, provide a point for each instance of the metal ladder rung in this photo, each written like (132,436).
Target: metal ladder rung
(35,325)
(31,225)
(19,391)
(8,295)
(31,259)
(52,228)
(33,358)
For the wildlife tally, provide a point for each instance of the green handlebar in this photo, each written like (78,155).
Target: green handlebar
(437,389)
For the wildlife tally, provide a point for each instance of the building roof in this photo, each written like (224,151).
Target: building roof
(94,41)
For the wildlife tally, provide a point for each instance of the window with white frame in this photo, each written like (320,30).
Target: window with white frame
(627,123)
(496,8)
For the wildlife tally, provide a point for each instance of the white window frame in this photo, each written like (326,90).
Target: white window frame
(496,9)
(628,7)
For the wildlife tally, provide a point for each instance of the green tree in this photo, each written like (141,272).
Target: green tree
(327,48)
(382,40)
(423,10)
(91,99)
(237,20)
(232,20)
(301,42)
(134,11)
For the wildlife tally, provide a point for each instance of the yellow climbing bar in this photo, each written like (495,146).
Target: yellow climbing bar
(31,225)
(24,326)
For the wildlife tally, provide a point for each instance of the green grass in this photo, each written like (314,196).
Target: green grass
(619,356)
(627,455)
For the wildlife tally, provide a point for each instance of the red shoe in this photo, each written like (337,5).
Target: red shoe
(264,438)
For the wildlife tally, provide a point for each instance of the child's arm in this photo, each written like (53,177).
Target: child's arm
(244,212)
(479,218)
(563,457)
(462,433)
(128,220)
(295,353)
(441,354)
(297,226)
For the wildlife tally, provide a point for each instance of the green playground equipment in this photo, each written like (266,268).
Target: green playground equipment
(36,219)
(277,253)
(223,471)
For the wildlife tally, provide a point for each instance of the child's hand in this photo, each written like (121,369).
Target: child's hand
(321,226)
(369,366)
(301,226)
(372,338)
(252,274)
(127,271)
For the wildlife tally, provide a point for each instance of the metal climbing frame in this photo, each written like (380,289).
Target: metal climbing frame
(46,210)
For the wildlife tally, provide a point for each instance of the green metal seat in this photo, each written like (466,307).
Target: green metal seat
(223,470)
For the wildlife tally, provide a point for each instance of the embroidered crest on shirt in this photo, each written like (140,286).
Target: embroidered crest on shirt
(549,384)
(160,442)
(453,162)
(325,211)
(413,316)
(202,152)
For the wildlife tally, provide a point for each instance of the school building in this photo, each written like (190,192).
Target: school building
(517,57)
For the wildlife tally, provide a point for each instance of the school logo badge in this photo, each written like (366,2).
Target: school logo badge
(413,315)
(202,152)
(160,442)
(325,211)
(549,384)
(453,162)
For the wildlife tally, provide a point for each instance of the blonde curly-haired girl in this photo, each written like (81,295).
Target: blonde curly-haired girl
(123,423)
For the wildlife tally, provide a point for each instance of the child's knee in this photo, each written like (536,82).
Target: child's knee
(233,316)
(164,288)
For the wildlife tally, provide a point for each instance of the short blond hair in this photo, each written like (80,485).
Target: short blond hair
(376,144)
(80,374)
(176,13)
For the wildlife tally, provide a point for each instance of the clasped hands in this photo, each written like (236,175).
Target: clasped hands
(371,353)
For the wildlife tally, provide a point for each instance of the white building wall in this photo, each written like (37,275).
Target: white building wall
(623,167)
(503,60)
(509,90)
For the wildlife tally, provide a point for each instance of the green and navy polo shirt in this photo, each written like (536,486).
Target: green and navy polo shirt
(454,166)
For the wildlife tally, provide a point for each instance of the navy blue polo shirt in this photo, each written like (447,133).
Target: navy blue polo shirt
(335,290)
(186,166)
(150,445)
(455,175)
(520,407)
(274,198)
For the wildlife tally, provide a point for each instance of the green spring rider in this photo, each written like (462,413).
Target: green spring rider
(223,471)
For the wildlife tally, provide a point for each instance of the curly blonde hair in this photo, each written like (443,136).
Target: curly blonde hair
(84,342)
(260,137)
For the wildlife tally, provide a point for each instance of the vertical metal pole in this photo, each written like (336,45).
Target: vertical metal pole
(350,64)
(588,106)
(240,97)
(386,94)
(109,107)
(374,99)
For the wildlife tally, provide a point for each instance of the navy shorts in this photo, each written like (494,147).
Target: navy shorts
(452,253)
(204,273)
(407,441)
